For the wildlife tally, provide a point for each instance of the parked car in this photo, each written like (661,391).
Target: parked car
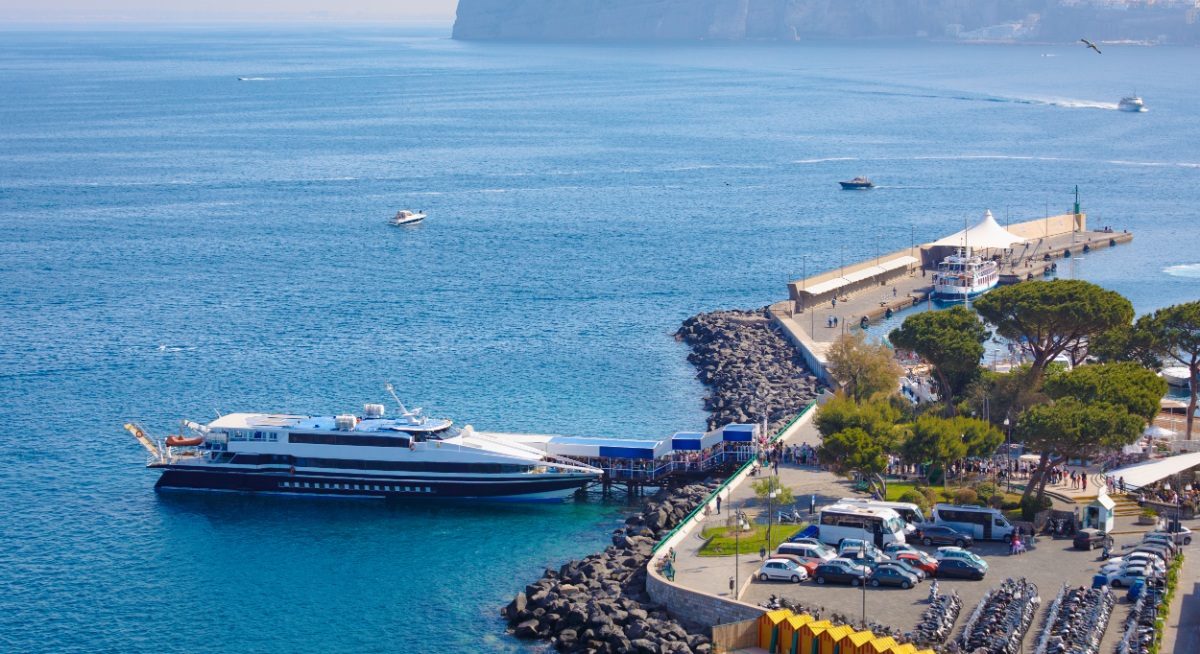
(920,561)
(892,549)
(781,570)
(1090,539)
(853,545)
(960,568)
(901,566)
(805,540)
(840,571)
(1129,576)
(942,535)
(809,565)
(807,550)
(944,554)
(1138,558)
(890,575)
(1181,537)
(1160,549)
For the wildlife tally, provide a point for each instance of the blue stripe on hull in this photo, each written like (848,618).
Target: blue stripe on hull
(346,487)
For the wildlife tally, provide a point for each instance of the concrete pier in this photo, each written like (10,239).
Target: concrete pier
(896,281)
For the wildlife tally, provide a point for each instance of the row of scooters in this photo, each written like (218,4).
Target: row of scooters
(938,620)
(1140,625)
(1000,620)
(1076,621)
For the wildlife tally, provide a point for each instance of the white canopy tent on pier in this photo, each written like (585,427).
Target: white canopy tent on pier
(986,235)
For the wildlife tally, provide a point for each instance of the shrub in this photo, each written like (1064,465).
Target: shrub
(966,496)
(915,498)
(930,495)
(997,502)
(1030,507)
(1148,512)
(986,491)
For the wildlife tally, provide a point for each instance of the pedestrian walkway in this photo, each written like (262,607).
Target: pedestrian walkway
(1181,634)
(809,485)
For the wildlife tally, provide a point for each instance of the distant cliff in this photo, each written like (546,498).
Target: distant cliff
(1046,20)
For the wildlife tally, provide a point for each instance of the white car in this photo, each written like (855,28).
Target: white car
(1122,567)
(782,570)
(1128,576)
(1181,537)
(854,565)
(1140,559)
(951,552)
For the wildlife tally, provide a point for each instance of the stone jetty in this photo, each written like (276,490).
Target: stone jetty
(750,369)
(599,604)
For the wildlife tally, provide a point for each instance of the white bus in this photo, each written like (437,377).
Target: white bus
(909,512)
(980,522)
(870,523)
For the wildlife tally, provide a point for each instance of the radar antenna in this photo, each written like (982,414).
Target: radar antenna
(413,416)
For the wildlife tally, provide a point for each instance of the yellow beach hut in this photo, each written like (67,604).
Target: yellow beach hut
(879,645)
(831,639)
(808,636)
(789,633)
(904,648)
(768,628)
(853,644)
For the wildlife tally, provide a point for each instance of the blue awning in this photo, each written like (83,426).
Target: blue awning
(738,433)
(626,452)
(687,441)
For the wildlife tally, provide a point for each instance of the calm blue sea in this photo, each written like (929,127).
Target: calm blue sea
(176,242)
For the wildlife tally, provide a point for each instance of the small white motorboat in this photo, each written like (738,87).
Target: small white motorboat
(1132,104)
(406,217)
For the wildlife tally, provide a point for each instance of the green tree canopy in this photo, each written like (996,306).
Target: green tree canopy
(1174,334)
(1070,428)
(933,440)
(877,418)
(951,341)
(980,437)
(763,487)
(1127,384)
(863,369)
(853,449)
(1050,317)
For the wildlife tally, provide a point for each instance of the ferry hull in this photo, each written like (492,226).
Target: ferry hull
(555,489)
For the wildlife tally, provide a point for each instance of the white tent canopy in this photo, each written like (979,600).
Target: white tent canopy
(987,235)
(1142,474)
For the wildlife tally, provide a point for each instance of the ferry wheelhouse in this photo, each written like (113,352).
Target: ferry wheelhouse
(373,456)
(964,275)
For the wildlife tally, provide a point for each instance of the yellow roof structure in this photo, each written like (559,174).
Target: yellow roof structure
(767,624)
(880,645)
(904,648)
(854,642)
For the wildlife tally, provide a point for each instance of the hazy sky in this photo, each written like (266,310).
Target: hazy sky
(223,10)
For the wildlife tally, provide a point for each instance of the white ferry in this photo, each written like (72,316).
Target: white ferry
(359,456)
(964,275)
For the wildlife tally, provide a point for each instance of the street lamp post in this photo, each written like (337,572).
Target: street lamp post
(864,599)
(737,545)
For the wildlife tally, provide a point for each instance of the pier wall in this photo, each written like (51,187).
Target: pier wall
(1051,226)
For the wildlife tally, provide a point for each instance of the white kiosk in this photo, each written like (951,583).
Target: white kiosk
(1099,514)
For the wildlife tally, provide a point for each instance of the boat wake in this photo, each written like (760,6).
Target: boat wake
(255,79)
(176,348)
(1191,270)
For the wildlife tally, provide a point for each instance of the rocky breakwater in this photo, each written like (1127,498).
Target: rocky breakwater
(752,371)
(599,604)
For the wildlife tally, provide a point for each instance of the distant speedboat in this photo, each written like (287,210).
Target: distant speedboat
(858,183)
(406,217)
(1177,376)
(1132,104)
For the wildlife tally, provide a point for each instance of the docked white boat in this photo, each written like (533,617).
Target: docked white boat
(1177,376)
(406,217)
(964,275)
(1132,104)
(372,456)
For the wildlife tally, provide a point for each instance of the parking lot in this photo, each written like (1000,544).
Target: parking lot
(1049,564)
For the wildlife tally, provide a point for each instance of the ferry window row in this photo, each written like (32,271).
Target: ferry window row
(389,488)
(400,466)
(244,435)
(342,439)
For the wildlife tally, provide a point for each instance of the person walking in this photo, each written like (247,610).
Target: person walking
(1083,479)
(812,504)
(718,504)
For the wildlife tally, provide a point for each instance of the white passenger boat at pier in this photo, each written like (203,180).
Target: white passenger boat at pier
(372,455)
(964,275)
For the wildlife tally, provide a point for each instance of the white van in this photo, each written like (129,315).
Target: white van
(980,522)
(875,525)
(909,512)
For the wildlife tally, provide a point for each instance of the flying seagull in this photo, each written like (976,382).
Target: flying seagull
(1090,45)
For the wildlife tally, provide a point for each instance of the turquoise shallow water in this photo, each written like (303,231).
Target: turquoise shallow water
(174,241)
